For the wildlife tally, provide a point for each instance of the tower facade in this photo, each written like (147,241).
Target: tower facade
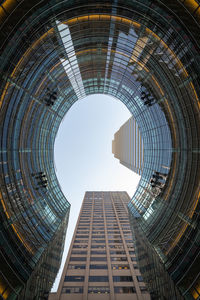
(101,262)
(128,147)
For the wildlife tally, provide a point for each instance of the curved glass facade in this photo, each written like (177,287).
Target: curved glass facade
(145,53)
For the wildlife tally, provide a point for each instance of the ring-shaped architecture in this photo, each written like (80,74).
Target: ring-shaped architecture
(54,53)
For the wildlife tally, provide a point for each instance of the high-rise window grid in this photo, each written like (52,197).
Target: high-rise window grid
(102,250)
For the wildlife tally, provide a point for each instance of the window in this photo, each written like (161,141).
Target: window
(84,222)
(115,241)
(98,246)
(98,290)
(122,278)
(124,290)
(72,290)
(82,236)
(118,258)
(130,246)
(79,252)
(98,267)
(80,246)
(81,241)
(140,279)
(98,278)
(98,228)
(120,267)
(78,258)
(114,236)
(74,278)
(113,227)
(82,228)
(143,289)
(129,241)
(116,247)
(99,241)
(98,252)
(98,258)
(129,237)
(133,258)
(117,252)
(77,267)
(97,221)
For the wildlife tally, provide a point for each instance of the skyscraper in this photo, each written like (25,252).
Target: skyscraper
(101,262)
(144,53)
(128,146)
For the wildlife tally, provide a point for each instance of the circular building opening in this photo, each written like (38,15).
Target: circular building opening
(83,154)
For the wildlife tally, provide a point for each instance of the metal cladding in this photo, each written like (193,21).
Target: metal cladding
(145,53)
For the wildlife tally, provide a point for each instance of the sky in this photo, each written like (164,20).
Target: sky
(83,155)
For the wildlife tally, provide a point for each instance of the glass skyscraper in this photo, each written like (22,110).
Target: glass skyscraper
(145,53)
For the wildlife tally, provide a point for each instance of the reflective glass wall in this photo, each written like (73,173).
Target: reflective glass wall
(145,53)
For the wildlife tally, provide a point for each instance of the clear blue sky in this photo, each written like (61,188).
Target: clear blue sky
(83,154)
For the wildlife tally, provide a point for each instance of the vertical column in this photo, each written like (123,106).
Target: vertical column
(62,280)
(87,270)
(112,296)
(138,291)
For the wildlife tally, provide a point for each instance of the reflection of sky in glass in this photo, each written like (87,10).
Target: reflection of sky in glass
(71,64)
(122,46)
(149,211)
